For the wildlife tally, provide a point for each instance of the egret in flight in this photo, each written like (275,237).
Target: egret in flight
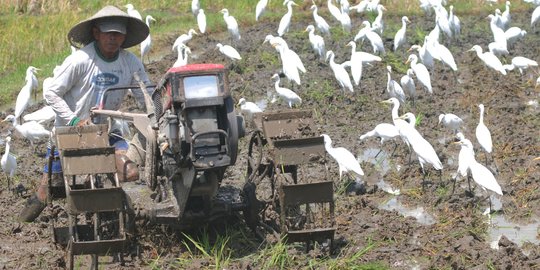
(344,158)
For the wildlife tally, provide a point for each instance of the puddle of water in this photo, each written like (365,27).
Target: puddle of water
(419,213)
(381,162)
(517,233)
(263,103)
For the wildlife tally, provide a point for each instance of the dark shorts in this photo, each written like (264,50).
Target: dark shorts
(117,142)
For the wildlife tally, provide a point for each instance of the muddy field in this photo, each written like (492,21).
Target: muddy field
(419,228)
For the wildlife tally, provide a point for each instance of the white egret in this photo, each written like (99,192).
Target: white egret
(131,11)
(345,21)
(399,123)
(361,6)
(290,62)
(344,158)
(483,135)
(378,23)
(9,162)
(229,51)
(184,38)
(372,5)
(285,21)
(356,63)
(275,40)
(232,25)
(290,97)
(535,16)
(339,72)
(521,63)
(393,88)
(498,49)
(498,32)
(451,121)
(147,43)
(201,21)
(384,131)
(506,18)
(400,38)
(195,6)
(320,22)
(425,55)
(248,108)
(317,42)
(30,130)
(513,34)
(24,96)
(374,39)
(336,13)
(441,19)
(465,157)
(260,8)
(445,55)
(423,149)
(344,6)
(489,59)
(183,55)
(42,116)
(454,22)
(421,72)
(408,85)
(480,174)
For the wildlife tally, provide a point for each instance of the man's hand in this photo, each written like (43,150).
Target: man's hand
(84,122)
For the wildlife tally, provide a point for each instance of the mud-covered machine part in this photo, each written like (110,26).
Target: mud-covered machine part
(97,208)
(282,145)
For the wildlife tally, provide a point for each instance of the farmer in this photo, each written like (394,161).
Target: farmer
(101,63)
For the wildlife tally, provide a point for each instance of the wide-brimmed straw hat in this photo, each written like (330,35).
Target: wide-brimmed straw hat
(136,30)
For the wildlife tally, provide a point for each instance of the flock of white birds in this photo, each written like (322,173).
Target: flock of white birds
(421,65)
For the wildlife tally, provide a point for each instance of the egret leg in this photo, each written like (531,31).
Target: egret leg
(494,163)
(378,153)
(395,147)
(454,185)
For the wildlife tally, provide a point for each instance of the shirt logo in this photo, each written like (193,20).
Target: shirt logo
(105,79)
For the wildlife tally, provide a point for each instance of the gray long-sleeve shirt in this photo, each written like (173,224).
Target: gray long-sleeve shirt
(79,82)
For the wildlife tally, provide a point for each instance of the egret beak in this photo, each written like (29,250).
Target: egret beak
(402,117)
(386,101)
(410,49)
(407,62)
(535,159)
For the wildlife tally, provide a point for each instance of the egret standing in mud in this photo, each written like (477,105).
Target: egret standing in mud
(290,97)
(24,96)
(345,159)
(483,135)
(480,174)
(232,24)
(384,131)
(423,149)
(451,121)
(9,162)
